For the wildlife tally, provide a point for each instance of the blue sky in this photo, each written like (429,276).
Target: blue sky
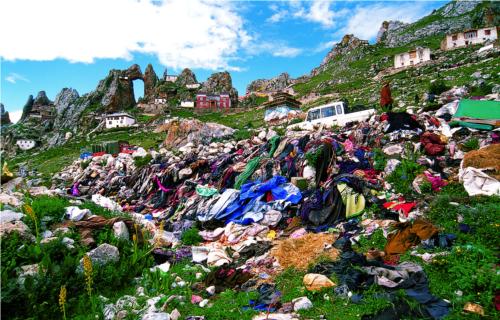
(74,43)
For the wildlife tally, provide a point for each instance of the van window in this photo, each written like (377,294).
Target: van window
(313,115)
(339,109)
(327,112)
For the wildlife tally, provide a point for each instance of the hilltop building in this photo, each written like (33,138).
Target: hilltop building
(120,119)
(412,57)
(469,37)
(206,101)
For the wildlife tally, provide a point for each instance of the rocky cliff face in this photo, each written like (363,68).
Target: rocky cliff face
(69,109)
(27,108)
(270,85)
(117,89)
(4,116)
(150,80)
(186,77)
(455,16)
(347,46)
(221,82)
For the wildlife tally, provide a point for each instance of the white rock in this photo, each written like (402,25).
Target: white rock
(109,311)
(302,303)
(262,135)
(9,216)
(163,267)
(156,316)
(126,302)
(203,303)
(198,275)
(210,290)
(120,230)
(175,315)
(103,254)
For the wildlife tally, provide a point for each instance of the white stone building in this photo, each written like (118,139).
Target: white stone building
(26,144)
(193,85)
(469,37)
(187,104)
(171,78)
(120,119)
(412,57)
(160,100)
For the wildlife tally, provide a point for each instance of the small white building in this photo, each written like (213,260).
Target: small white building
(171,78)
(469,37)
(412,57)
(193,85)
(187,104)
(26,144)
(160,100)
(121,119)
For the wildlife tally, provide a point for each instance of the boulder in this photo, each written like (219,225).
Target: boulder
(302,303)
(10,216)
(315,282)
(120,230)
(14,226)
(156,316)
(102,255)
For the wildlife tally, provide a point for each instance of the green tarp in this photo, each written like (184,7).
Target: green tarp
(478,109)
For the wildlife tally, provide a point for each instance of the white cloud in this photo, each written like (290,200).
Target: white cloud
(325,46)
(277,16)
(276,49)
(181,33)
(14,77)
(366,20)
(15,115)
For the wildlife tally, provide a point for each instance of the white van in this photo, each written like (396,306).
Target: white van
(330,114)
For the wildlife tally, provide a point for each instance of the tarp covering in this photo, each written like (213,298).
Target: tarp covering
(478,109)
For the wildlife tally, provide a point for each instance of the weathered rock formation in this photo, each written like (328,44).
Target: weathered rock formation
(27,108)
(69,110)
(270,85)
(150,80)
(347,45)
(221,82)
(186,77)
(4,116)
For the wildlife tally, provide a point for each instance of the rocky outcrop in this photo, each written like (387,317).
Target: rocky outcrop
(270,85)
(4,116)
(186,77)
(221,82)
(69,108)
(117,89)
(389,27)
(42,99)
(150,81)
(453,17)
(27,108)
(347,45)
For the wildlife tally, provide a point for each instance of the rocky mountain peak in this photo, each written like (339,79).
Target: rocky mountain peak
(4,116)
(42,99)
(389,26)
(270,85)
(221,82)
(186,77)
(150,81)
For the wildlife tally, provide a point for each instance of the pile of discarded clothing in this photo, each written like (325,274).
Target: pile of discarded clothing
(271,202)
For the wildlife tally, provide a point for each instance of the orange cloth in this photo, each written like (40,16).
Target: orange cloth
(408,235)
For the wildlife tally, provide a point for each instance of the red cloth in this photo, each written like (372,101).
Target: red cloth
(400,206)
(385,96)
(432,144)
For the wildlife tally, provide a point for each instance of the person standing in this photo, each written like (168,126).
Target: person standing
(385,97)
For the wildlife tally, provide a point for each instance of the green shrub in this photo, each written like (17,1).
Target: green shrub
(437,87)
(471,144)
(191,237)
(142,161)
(402,177)
(242,134)
(48,210)
(313,156)
(379,159)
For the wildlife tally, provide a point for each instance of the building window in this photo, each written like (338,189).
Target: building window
(413,54)
(470,34)
(487,32)
(454,37)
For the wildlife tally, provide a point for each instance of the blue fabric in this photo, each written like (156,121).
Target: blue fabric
(255,189)
(287,192)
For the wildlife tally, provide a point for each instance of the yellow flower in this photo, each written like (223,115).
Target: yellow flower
(87,269)
(62,300)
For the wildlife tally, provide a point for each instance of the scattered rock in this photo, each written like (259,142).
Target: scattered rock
(302,303)
(156,316)
(120,230)
(10,216)
(315,282)
(102,255)
(175,315)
